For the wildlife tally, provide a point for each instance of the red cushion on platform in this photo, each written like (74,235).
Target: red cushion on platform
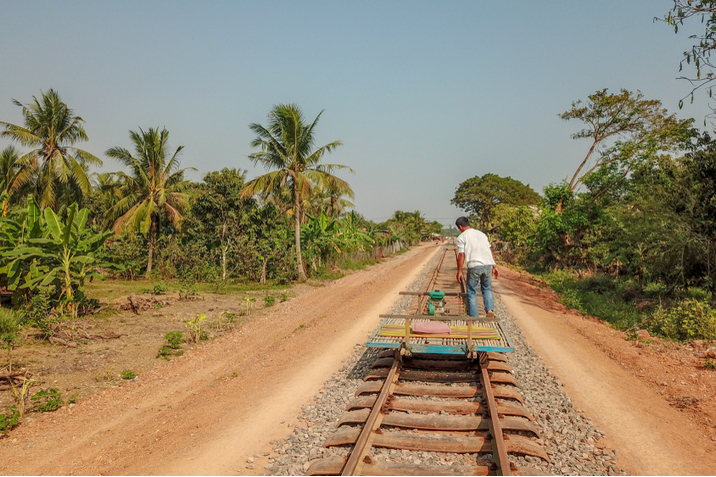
(430,328)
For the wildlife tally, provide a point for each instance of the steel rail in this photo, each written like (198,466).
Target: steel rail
(500,457)
(363,444)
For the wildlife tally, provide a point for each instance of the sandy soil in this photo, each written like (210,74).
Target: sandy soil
(209,410)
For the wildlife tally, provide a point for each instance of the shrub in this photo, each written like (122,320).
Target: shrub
(9,421)
(269,300)
(48,400)
(194,329)
(689,320)
(38,311)
(174,339)
(128,374)
(158,289)
(654,289)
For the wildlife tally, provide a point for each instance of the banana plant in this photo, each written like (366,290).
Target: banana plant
(14,234)
(63,256)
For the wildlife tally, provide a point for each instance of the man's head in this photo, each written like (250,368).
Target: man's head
(462,223)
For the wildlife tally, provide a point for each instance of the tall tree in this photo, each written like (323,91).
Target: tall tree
(638,129)
(480,195)
(287,148)
(155,184)
(55,168)
(220,207)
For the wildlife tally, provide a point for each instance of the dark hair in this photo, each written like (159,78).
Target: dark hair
(462,222)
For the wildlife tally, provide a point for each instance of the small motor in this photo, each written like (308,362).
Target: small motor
(436,305)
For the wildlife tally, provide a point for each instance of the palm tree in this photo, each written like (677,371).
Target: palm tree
(10,169)
(54,168)
(330,196)
(287,148)
(155,183)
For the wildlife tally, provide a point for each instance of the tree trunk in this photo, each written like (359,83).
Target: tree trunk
(224,248)
(297,231)
(223,261)
(262,281)
(152,240)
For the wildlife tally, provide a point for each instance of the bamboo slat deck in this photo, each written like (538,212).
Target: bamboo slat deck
(420,344)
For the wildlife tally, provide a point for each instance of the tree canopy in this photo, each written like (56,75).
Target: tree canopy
(480,195)
(638,130)
(54,168)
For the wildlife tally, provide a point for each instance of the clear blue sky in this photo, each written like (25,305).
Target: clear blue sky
(423,94)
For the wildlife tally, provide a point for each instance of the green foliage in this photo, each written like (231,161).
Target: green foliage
(225,320)
(159,288)
(480,196)
(638,129)
(517,226)
(194,329)
(599,296)
(709,364)
(174,339)
(54,169)
(128,253)
(287,148)
(10,321)
(249,300)
(9,421)
(155,185)
(187,292)
(128,374)
(269,300)
(688,320)
(45,251)
(654,289)
(48,400)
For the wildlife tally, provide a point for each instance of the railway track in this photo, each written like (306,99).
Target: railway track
(465,408)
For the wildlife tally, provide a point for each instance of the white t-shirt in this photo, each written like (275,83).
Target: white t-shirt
(476,247)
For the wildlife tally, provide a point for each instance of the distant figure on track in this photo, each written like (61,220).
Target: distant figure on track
(474,250)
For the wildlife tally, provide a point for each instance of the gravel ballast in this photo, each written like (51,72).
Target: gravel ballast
(568,436)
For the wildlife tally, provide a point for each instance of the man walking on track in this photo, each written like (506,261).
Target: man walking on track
(474,250)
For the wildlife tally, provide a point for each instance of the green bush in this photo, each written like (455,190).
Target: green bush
(9,326)
(9,421)
(38,311)
(269,300)
(164,352)
(158,289)
(689,320)
(128,374)
(696,293)
(654,289)
(174,339)
(48,400)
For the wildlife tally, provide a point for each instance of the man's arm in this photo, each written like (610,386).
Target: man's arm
(460,263)
(495,273)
